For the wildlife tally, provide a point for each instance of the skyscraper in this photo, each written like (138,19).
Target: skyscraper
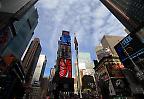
(15,14)
(128,12)
(109,41)
(39,70)
(64,59)
(85,66)
(29,62)
(18,19)
(31,58)
(85,60)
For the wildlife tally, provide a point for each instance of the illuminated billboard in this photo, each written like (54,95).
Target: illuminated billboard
(65,68)
(131,53)
(65,38)
(120,86)
(65,51)
(115,70)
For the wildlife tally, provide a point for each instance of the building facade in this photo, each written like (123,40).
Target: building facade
(109,41)
(29,62)
(85,66)
(110,78)
(129,13)
(18,21)
(40,68)
(102,52)
(38,77)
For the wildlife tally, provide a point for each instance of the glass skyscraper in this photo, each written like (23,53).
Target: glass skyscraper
(23,30)
(128,12)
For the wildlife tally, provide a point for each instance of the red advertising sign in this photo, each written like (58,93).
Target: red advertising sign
(65,68)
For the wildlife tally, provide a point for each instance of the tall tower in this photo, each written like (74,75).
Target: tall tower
(38,77)
(29,64)
(39,70)
(31,58)
(63,68)
(64,58)
(128,12)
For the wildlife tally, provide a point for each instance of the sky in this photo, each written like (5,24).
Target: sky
(89,19)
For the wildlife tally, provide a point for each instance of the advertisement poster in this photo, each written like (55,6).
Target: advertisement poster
(65,38)
(131,53)
(65,52)
(115,71)
(65,68)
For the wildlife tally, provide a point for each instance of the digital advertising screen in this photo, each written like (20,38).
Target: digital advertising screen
(131,52)
(65,68)
(115,71)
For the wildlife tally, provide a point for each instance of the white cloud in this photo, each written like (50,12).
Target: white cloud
(49,4)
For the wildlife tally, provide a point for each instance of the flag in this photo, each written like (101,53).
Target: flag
(76,43)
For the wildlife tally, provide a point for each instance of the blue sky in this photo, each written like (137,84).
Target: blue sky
(90,19)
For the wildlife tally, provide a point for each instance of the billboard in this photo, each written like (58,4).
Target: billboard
(121,86)
(115,70)
(65,38)
(103,73)
(65,68)
(131,53)
(65,51)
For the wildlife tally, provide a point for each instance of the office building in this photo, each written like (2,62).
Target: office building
(38,77)
(109,41)
(128,12)
(29,62)
(36,91)
(85,68)
(18,19)
(40,68)
(85,60)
